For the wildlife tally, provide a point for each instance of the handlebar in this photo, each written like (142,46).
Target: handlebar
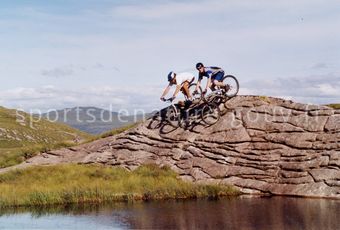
(168,100)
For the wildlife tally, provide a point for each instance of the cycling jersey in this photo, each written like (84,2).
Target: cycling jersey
(183,77)
(210,72)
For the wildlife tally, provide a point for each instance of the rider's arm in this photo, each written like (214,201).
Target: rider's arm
(209,74)
(208,84)
(178,88)
(198,83)
(166,91)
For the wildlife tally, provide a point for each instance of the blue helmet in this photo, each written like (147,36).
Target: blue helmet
(171,76)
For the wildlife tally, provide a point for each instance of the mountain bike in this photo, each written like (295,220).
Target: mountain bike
(173,112)
(184,114)
(211,112)
(219,93)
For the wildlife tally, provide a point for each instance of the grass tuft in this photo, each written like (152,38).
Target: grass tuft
(265,99)
(78,184)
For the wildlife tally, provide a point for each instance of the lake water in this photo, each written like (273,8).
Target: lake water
(231,213)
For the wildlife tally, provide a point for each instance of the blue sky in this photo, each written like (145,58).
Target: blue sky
(64,53)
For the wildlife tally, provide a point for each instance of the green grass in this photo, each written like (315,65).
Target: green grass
(77,184)
(23,136)
(22,140)
(14,156)
(334,106)
(265,99)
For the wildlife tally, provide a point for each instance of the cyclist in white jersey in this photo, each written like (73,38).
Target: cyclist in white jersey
(182,82)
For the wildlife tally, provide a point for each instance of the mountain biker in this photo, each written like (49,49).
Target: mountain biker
(182,81)
(214,74)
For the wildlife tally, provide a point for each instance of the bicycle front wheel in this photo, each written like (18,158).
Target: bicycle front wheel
(210,113)
(233,86)
(172,116)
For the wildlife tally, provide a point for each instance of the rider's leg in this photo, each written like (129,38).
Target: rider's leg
(218,78)
(222,85)
(212,86)
(185,90)
(218,81)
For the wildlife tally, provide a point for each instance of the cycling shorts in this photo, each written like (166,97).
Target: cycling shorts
(218,76)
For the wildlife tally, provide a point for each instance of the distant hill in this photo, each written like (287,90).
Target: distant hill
(21,134)
(91,119)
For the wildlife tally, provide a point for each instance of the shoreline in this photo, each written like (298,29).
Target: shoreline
(70,184)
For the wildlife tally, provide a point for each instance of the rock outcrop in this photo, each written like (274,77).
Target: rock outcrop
(260,145)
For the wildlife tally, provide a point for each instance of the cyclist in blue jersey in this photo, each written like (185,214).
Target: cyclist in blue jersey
(215,77)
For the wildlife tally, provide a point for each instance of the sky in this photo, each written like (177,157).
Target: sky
(116,54)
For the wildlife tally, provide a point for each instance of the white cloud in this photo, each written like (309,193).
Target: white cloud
(50,97)
(311,89)
(319,89)
(329,90)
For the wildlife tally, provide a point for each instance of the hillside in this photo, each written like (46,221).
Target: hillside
(91,119)
(21,137)
(334,106)
(261,145)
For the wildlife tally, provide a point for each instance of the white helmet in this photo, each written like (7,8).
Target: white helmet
(171,75)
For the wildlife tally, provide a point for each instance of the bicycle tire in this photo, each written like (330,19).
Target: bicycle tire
(155,122)
(172,116)
(233,84)
(210,113)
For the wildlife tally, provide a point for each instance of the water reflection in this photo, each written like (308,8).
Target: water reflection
(234,213)
(254,213)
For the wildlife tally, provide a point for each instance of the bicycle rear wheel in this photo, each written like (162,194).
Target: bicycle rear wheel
(197,97)
(210,113)
(232,82)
